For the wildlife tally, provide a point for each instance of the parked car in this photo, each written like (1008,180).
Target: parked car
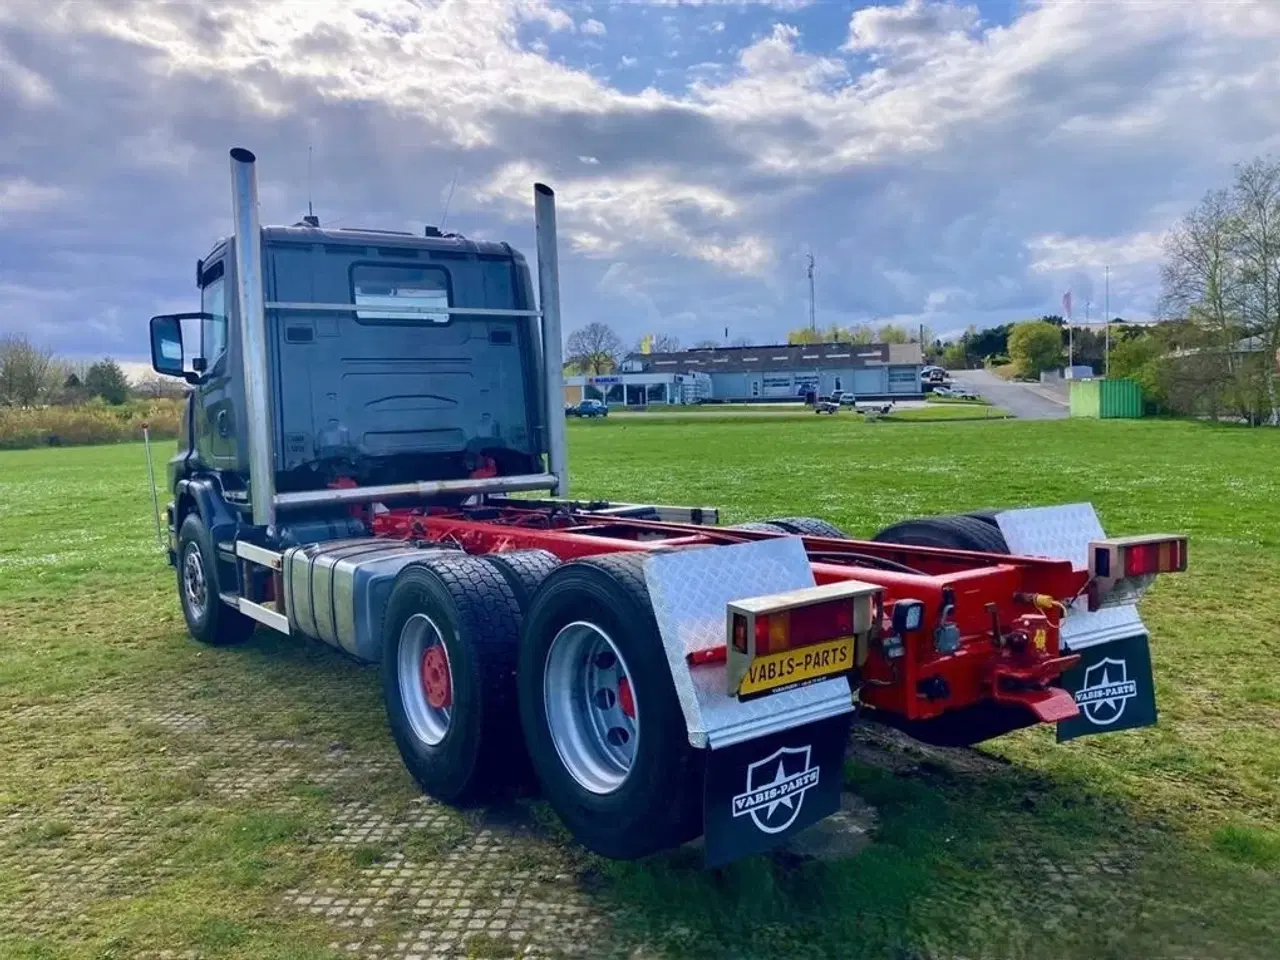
(587,408)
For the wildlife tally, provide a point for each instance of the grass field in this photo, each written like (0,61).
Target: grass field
(161,799)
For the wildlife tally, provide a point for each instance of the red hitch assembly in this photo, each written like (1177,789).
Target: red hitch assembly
(1025,672)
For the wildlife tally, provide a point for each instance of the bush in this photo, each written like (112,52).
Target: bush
(91,423)
(1035,347)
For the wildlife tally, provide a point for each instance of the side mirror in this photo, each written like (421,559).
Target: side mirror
(168,354)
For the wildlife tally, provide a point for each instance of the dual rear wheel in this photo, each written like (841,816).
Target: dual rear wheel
(498,667)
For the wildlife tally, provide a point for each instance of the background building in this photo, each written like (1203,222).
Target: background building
(736,374)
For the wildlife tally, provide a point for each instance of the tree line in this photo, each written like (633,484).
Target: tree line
(32,376)
(596,348)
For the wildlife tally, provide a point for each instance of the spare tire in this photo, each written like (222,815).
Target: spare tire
(950,533)
(604,727)
(760,526)
(986,515)
(524,571)
(810,527)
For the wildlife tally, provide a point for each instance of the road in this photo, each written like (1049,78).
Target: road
(1025,401)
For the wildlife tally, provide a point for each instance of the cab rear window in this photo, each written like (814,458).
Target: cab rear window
(400,293)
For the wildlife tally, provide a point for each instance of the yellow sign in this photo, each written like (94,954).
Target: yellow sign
(646,344)
(789,668)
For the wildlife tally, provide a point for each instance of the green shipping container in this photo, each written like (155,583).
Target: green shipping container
(1106,398)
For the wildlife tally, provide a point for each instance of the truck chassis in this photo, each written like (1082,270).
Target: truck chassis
(659,675)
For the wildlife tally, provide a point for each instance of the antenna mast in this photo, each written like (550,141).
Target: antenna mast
(449,199)
(813,321)
(310,211)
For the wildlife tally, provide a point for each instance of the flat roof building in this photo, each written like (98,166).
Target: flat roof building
(776,372)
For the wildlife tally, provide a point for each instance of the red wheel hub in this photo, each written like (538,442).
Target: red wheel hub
(626,700)
(435,677)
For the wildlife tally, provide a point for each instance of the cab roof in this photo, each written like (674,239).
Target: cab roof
(363,237)
(384,239)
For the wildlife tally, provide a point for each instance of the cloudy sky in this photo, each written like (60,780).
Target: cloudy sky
(948,163)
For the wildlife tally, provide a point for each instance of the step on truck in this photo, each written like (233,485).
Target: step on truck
(373,454)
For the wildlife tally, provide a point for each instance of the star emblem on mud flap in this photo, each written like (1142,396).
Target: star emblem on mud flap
(774,804)
(1105,691)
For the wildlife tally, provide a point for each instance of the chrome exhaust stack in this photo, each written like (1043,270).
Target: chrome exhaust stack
(250,302)
(544,214)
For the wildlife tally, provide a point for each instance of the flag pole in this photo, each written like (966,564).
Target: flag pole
(1106,354)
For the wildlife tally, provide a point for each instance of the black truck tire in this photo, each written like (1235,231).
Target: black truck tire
(524,571)
(466,746)
(987,515)
(952,533)
(651,801)
(209,620)
(810,527)
(759,525)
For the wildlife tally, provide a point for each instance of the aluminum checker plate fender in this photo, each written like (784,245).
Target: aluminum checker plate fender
(1063,533)
(689,590)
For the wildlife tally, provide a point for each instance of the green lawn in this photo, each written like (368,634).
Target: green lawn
(155,795)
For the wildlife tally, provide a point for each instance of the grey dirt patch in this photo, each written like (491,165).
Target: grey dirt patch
(482,891)
(421,880)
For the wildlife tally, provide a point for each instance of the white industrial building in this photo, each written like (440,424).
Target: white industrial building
(744,374)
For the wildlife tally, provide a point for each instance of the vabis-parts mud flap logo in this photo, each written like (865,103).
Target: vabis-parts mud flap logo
(1106,688)
(759,792)
(1113,687)
(776,787)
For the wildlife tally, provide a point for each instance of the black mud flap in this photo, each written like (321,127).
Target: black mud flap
(761,792)
(1114,688)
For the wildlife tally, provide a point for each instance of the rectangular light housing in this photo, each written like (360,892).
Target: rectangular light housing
(1120,558)
(772,633)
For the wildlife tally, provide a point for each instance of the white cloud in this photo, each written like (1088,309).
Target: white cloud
(599,215)
(944,166)
(593,28)
(20,196)
(913,23)
(1055,253)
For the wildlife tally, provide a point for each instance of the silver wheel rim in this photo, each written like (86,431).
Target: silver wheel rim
(195,589)
(420,634)
(594,736)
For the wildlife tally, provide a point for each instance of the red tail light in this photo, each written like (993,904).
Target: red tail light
(822,621)
(1140,556)
(773,632)
(1167,556)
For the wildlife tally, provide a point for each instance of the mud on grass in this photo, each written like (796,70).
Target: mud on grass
(158,798)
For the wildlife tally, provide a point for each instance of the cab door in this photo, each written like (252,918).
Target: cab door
(214,423)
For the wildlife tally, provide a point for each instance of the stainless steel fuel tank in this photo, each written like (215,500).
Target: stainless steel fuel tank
(337,591)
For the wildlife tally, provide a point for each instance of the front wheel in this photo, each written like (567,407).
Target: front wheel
(605,731)
(209,620)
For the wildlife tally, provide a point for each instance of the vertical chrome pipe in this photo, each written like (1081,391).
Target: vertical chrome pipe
(257,418)
(151,477)
(544,213)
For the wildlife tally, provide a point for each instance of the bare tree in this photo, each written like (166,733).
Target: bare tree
(742,342)
(1200,280)
(1256,196)
(705,345)
(26,372)
(155,387)
(1222,274)
(666,343)
(658,343)
(594,348)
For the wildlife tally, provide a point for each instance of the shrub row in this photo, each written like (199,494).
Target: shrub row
(88,424)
